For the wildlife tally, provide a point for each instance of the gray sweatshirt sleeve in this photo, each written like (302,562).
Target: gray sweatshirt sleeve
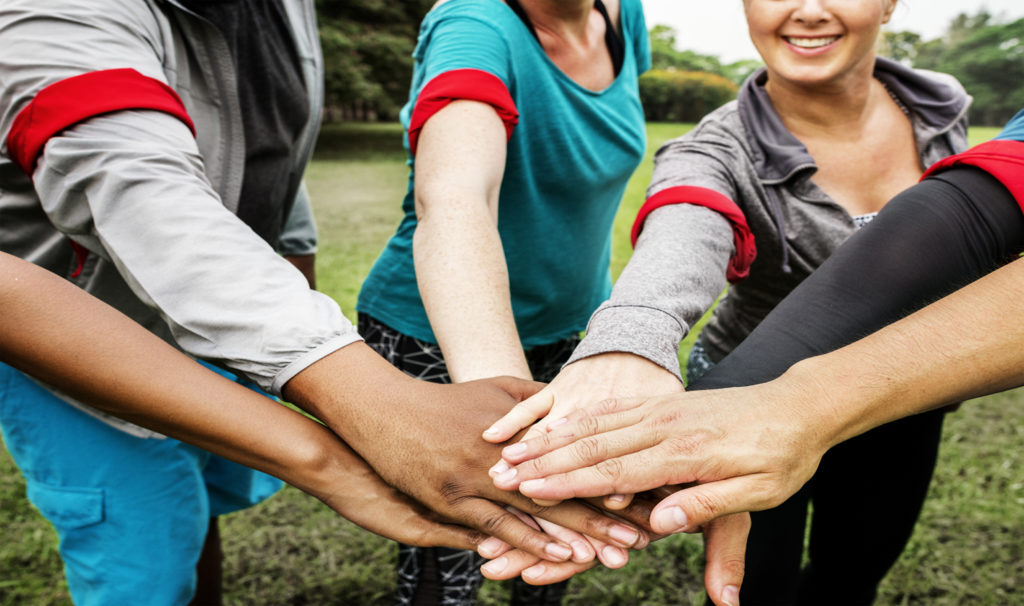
(130,187)
(678,268)
(673,277)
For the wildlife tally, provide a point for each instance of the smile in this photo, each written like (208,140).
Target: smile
(811,42)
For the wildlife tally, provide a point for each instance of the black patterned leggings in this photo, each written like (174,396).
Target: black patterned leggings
(440,576)
(929,241)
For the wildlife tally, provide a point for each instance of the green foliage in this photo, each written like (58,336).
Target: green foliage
(368,47)
(683,96)
(985,55)
(293,551)
(665,55)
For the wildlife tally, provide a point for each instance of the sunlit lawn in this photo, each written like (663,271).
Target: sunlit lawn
(968,548)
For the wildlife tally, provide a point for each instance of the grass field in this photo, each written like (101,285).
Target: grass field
(968,548)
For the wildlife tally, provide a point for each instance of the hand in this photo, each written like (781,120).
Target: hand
(725,542)
(747,449)
(422,439)
(582,384)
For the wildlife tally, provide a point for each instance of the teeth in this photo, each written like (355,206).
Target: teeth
(812,42)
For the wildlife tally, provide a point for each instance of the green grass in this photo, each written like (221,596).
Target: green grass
(968,547)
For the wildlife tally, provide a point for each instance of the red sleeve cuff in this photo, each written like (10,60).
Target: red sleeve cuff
(68,102)
(739,265)
(464,85)
(1004,160)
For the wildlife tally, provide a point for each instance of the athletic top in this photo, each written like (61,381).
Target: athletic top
(1014,130)
(612,39)
(1002,157)
(739,178)
(570,154)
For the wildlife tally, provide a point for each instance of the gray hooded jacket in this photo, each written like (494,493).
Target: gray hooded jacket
(744,152)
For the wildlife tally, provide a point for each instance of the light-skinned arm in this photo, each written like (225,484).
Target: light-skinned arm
(460,263)
(752,447)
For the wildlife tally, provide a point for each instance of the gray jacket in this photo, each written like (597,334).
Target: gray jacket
(152,203)
(743,151)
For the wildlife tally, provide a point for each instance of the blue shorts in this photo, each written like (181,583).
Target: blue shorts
(131,513)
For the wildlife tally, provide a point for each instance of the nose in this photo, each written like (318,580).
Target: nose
(812,12)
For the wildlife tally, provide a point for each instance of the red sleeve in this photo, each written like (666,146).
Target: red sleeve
(1004,160)
(68,102)
(739,265)
(465,85)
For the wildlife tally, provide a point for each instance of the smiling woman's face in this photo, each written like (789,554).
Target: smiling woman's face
(816,42)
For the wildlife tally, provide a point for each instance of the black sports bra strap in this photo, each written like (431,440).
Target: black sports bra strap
(612,39)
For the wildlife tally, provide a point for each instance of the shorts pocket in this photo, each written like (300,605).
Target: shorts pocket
(67,508)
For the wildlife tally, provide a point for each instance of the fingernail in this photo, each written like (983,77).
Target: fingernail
(624,534)
(671,519)
(582,552)
(506,476)
(617,498)
(535,571)
(731,595)
(558,551)
(514,450)
(613,556)
(500,468)
(558,423)
(529,485)
(491,431)
(495,566)
(489,547)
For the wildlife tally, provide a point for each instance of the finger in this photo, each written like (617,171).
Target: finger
(517,562)
(496,521)
(597,471)
(492,547)
(587,426)
(432,534)
(522,415)
(725,544)
(582,549)
(588,522)
(546,573)
(691,508)
(615,502)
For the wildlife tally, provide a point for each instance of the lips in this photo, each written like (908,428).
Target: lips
(811,43)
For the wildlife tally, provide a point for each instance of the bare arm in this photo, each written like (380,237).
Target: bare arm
(460,264)
(57,333)
(965,345)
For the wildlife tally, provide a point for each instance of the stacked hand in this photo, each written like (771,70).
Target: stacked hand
(422,439)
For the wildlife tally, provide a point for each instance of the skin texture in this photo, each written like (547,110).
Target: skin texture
(829,100)
(957,348)
(378,411)
(460,264)
(62,336)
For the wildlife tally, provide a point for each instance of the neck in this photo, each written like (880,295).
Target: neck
(559,17)
(817,109)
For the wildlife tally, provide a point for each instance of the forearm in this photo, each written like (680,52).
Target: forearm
(963,346)
(460,263)
(673,277)
(463,279)
(55,332)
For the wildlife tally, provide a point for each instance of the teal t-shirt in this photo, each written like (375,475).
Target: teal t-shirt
(1014,130)
(567,164)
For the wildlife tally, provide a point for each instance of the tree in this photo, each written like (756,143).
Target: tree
(368,46)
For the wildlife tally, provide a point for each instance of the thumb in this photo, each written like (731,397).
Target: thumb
(691,508)
(522,415)
(725,546)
